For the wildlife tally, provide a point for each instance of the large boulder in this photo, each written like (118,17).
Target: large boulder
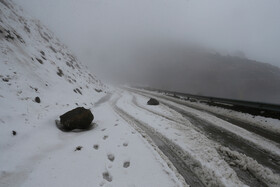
(153,101)
(78,118)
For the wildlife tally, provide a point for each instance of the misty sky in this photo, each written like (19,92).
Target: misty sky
(90,27)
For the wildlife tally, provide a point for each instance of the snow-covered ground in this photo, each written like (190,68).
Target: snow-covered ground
(233,157)
(116,151)
(250,137)
(33,63)
(214,170)
(269,124)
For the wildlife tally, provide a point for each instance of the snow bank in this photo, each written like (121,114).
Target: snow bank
(246,163)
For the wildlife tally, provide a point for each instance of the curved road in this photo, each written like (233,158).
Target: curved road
(221,136)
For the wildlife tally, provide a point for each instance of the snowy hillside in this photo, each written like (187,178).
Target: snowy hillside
(41,80)
(179,142)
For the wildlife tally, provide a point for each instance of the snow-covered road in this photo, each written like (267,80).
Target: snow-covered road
(214,151)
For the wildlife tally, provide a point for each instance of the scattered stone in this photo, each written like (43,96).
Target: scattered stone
(96,146)
(37,100)
(59,72)
(78,148)
(78,118)
(14,133)
(153,101)
(125,144)
(126,164)
(107,176)
(77,89)
(5,79)
(42,52)
(98,90)
(53,49)
(39,60)
(105,137)
(9,36)
(111,157)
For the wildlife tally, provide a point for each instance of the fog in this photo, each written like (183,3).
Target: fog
(116,38)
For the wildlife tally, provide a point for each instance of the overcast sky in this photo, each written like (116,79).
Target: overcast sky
(90,26)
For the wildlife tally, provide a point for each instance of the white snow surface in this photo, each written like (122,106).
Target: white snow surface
(247,136)
(215,171)
(269,124)
(112,153)
(232,157)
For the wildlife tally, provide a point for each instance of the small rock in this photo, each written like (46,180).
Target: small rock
(125,144)
(37,100)
(126,164)
(78,148)
(59,72)
(107,176)
(5,79)
(98,90)
(111,157)
(14,133)
(96,146)
(39,60)
(153,101)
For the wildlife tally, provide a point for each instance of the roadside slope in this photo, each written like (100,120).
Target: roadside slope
(41,80)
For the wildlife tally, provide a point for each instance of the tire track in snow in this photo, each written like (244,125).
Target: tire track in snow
(225,137)
(270,135)
(170,150)
(245,175)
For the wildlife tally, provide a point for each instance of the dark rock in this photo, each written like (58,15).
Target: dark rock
(53,49)
(37,100)
(98,90)
(5,79)
(39,60)
(14,133)
(126,164)
(78,148)
(78,118)
(111,157)
(153,101)
(59,72)
(96,146)
(9,36)
(77,89)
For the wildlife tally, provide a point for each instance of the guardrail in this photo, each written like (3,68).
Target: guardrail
(240,103)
